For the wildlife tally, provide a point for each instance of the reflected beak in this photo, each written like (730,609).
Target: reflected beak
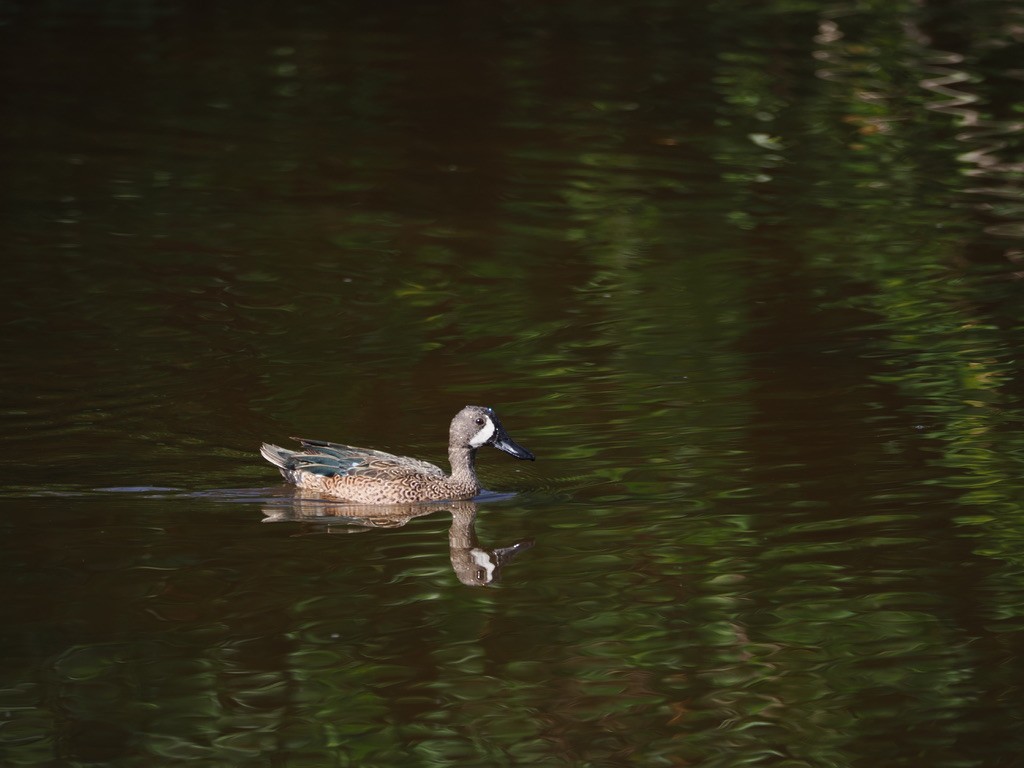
(503,442)
(504,555)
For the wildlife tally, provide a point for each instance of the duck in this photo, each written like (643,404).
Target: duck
(366,476)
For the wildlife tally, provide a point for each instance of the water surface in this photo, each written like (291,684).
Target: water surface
(745,279)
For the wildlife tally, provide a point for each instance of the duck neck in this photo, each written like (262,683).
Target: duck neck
(462,534)
(463,461)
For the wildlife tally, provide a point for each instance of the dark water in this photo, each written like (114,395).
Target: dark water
(744,276)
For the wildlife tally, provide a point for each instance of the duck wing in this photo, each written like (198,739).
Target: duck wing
(325,458)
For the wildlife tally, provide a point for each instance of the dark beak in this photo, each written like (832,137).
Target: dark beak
(503,442)
(505,555)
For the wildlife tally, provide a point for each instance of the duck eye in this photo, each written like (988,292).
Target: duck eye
(479,421)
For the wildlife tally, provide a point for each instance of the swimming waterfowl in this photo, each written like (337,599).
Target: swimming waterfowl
(365,476)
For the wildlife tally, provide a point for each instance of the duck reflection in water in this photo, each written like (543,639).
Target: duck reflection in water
(474,565)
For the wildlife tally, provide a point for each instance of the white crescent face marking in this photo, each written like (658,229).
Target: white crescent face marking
(486,433)
(483,560)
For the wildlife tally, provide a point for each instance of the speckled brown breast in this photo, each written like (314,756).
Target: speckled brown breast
(381,482)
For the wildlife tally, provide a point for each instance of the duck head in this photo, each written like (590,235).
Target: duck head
(477,426)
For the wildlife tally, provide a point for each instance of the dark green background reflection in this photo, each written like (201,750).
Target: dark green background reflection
(744,276)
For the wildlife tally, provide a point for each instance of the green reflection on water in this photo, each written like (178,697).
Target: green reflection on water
(734,271)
